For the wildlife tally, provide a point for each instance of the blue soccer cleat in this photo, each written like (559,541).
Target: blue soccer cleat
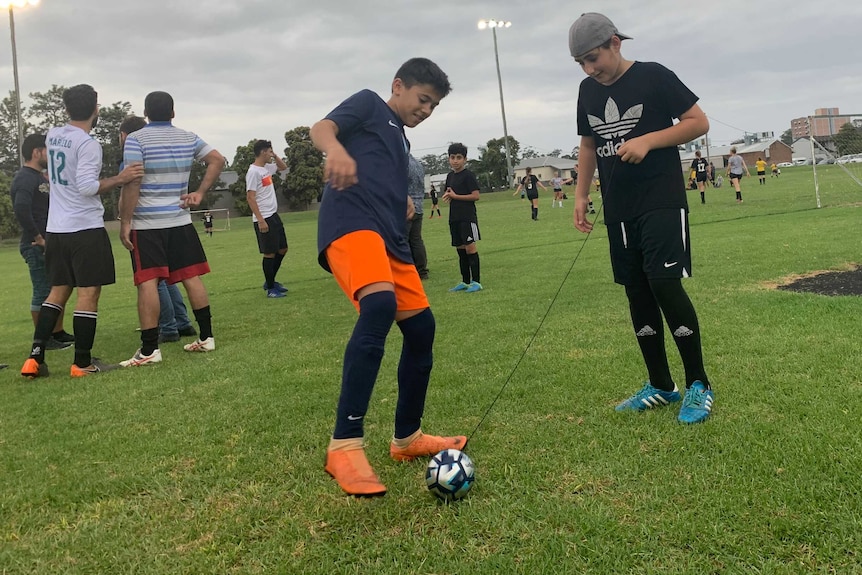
(473,287)
(274,293)
(697,404)
(649,397)
(276,286)
(460,287)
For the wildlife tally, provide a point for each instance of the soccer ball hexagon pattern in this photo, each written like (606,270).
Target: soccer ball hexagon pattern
(450,474)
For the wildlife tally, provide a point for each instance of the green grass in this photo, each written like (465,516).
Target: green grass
(213,463)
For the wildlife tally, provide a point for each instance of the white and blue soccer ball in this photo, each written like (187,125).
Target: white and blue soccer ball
(450,475)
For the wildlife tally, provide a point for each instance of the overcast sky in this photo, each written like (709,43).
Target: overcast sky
(244,69)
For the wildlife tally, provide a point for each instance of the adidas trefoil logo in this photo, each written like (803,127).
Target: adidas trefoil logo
(614,126)
(682,331)
(646,331)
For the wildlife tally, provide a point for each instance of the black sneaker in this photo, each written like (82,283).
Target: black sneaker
(169,338)
(63,336)
(188,331)
(55,344)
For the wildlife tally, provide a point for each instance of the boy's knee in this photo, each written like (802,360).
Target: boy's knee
(419,330)
(381,305)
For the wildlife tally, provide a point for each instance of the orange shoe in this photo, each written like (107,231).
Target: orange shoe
(96,366)
(426,446)
(353,473)
(33,369)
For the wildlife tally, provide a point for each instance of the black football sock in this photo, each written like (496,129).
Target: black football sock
(269,272)
(473,261)
(414,372)
(45,323)
(738,195)
(362,359)
(205,325)
(438,213)
(84,324)
(682,321)
(279,258)
(149,340)
(649,329)
(535,213)
(702,197)
(464,264)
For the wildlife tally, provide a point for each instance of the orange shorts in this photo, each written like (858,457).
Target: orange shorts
(360,258)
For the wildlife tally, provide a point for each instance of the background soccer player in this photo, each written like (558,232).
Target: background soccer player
(268,227)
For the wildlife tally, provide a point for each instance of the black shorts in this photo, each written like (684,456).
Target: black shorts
(172,254)
(763,173)
(532,194)
(656,245)
(80,259)
(464,233)
(275,239)
(735,176)
(701,177)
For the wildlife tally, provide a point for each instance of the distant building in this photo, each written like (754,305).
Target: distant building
(772,150)
(545,168)
(825,123)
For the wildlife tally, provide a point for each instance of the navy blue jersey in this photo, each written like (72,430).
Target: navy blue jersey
(373,135)
(645,99)
(30,201)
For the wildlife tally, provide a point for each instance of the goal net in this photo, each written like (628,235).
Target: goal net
(836,162)
(220,219)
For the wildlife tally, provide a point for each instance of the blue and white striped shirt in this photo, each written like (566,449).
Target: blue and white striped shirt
(168,154)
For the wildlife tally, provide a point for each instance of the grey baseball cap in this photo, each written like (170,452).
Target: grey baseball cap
(590,31)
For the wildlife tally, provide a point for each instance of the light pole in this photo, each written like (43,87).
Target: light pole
(493,25)
(11,4)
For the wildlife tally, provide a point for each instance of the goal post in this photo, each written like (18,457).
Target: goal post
(836,160)
(221,219)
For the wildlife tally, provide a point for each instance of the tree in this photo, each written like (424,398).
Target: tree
(48,109)
(107,133)
(9,159)
(529,152)
(555,153)
(787,137)
(848,139)
(435,163)
(493,159)
(195,179)
(8,223)
(243,158)
(304,180)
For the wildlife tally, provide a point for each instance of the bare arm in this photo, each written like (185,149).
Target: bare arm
(128,200)
(586,165)
(251,197)
(279,163)
(340,168)
(692,123)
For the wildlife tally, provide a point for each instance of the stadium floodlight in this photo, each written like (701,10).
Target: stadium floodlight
(493,25)
(12,4)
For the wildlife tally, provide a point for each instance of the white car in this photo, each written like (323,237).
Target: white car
(784,164)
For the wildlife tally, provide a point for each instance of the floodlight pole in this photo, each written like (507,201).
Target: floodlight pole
(17,89)
(509,172)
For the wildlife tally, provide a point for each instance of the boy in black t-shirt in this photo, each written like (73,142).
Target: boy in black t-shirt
(462,193)
(625,119)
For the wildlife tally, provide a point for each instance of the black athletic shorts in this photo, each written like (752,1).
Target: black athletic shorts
(763,173)
(172,254)
(532,194)
(273,240)
(80,259)
(655,244)
(735,176)
(701,177)
(464,233)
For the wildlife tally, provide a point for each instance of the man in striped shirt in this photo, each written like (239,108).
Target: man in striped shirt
(156,226)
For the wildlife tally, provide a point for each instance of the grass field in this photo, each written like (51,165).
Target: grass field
(214,463)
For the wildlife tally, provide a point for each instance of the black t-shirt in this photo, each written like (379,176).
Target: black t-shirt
(374,137)
(463,183)
(30,201)
(529,183)
(645,99)
(699,165)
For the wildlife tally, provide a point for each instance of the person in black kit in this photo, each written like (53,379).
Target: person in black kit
(625,116)
(529,183)
(700,167)
(208,223)
(462,193)
(435,202)
(30,203)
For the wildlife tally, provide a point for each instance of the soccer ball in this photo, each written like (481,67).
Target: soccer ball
(450,474)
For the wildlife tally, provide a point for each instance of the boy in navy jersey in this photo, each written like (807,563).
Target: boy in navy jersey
(625,119)
(361,238)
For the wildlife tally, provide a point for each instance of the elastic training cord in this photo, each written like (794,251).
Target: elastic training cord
(547,313)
